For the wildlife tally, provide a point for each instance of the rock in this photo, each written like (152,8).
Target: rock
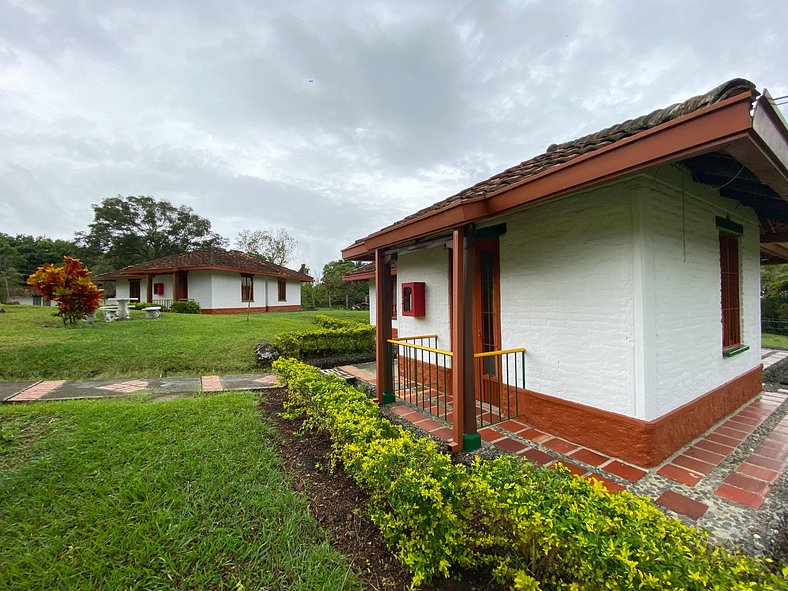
(265,354)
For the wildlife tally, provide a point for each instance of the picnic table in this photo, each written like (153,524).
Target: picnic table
(123,306)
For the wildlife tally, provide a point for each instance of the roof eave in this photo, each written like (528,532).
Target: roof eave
(698,132)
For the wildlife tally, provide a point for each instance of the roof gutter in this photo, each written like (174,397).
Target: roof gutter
(704,130)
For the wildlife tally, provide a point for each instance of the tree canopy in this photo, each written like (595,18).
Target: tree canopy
(129,230)
(274,245)
(22,254)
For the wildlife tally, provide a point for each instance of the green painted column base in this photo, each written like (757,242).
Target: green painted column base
(471,441)
(388,397)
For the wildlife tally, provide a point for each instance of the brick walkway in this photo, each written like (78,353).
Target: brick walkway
(16,392)
(724,477)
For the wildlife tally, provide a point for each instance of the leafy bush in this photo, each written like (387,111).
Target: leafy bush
(70,286)
(325,321)
(350,337)
(185,307)
(534,528)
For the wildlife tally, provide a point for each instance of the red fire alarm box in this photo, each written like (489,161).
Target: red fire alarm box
(413,298)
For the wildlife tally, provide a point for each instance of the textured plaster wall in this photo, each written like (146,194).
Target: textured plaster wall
(373,305)
(226,291)
(431,266)
(687,347)
(201,288)
(567,296)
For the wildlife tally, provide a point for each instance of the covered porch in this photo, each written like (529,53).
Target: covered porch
(472,383)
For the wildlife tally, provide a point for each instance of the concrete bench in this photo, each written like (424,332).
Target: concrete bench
(152,311)
(110,313)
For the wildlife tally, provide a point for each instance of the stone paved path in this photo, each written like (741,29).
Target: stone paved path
(47,390)
(731,480)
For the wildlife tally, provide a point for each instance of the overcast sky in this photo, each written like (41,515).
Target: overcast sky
(334,119)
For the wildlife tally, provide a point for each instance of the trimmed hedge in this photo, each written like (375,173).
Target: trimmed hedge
(185,307)
(335,337)
(325,321)
(533,528)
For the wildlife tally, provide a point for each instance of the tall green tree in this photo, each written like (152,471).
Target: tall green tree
(334,291)
(129,230)
(274,245)
(22,254)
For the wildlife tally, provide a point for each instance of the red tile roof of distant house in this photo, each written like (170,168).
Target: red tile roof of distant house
(207,259)
(365,272)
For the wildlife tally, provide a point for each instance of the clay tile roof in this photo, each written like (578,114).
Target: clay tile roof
(364,272)
(207,258)
(559,153)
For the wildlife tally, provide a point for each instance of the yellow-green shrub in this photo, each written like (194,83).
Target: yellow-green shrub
(535,528)
(352,338)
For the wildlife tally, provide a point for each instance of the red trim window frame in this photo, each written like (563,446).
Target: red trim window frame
(158,289)
(247,288)
(281,286)
(730,283)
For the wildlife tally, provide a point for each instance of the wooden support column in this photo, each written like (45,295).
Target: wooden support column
(463,383)
(149,288)
(175,294)
(383,303)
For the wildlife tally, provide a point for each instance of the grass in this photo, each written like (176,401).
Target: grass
(124,494)
(36,345)
(774,341)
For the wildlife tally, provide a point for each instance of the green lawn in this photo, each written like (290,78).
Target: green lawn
(127,494)
(36,345)
(774,341)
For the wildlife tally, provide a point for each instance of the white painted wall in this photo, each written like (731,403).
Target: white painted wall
(122,288)
(431,266)
(293,293)
(226,291)
(373,305)
(686,351)
(597,288)
(566,295)
(201,288)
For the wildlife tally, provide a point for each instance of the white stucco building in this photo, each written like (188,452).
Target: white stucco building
(220,281)
(626,263)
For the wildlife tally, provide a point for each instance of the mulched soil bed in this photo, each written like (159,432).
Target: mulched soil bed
(339,506)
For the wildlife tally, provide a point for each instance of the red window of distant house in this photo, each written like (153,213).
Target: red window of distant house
(282,285)
(247,288)
(158,288)
(730,290)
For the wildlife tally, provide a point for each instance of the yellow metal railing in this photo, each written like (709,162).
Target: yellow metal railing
(421,375)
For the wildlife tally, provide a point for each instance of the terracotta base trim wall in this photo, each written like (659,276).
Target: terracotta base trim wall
(645,443)
(253,309)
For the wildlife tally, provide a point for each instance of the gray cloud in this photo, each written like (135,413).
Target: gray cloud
(334,119)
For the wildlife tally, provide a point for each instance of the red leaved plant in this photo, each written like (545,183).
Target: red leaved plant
(70,286)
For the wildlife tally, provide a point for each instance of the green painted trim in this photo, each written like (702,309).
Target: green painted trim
(728,226)
(735,350)
(388,397)
(471,441)
(490,231)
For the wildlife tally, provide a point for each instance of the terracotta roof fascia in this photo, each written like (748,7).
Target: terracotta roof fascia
(359,277)
(356,251)
(695,133)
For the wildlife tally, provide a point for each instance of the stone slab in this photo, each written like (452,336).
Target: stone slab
(9,389)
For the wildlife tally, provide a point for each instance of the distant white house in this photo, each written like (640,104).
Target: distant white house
(625,262)
(220,281)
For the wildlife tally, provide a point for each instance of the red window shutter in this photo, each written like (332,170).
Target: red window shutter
(730,288)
